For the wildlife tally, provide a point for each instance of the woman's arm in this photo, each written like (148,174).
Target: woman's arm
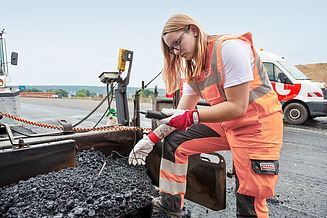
(188,102)
(235,106)
(163,130)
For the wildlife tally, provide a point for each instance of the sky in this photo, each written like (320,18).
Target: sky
(71,42)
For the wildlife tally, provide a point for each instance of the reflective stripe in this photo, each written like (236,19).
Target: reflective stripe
(195,87)
(172,177)
(263,89)
(172,187)
(209,81)
(176,169)
(214,69)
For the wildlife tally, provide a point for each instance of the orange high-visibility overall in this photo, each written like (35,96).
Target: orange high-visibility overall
(254,139)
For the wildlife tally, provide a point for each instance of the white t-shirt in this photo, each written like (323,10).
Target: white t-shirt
(238,63)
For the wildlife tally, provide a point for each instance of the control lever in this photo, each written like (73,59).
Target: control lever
(14,142)
(153,114)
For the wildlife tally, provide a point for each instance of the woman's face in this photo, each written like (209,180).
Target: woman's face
(182,42)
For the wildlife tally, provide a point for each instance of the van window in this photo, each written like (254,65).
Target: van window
(272,71)
(296,73)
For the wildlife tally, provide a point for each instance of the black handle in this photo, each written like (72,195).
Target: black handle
(154,114)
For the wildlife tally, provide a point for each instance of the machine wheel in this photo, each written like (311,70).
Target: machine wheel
(295,113)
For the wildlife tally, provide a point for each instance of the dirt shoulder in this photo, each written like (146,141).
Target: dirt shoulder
(316,72)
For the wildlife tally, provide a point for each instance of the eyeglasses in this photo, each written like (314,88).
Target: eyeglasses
(176,45)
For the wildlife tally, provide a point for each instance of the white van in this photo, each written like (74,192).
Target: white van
(300,97)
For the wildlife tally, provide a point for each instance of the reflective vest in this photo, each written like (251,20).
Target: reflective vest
(263,101)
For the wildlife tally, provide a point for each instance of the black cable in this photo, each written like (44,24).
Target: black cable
(109,102)
(133,149)
(110,93)
(96,108)
(153,79)
(101,117)
(122,156)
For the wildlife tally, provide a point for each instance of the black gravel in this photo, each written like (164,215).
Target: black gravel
(79,191)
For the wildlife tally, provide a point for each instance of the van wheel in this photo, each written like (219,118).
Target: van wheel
(295,113)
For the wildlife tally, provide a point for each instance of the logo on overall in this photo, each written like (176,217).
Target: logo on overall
(206,73)
(267,166)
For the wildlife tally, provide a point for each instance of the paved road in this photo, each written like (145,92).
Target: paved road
(49,111)
(301,189)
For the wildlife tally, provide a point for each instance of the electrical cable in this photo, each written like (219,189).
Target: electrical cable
(122,156)
(109,102)
(87,116)
(110,93)
(133,148)
(101,117)
(134,151)
(153,79)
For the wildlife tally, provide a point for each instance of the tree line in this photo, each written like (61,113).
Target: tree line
(146,93)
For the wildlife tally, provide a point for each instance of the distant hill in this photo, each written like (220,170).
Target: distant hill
(316,72)
(96,89)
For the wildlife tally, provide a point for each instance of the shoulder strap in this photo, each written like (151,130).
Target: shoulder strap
(214,69)
(195,87)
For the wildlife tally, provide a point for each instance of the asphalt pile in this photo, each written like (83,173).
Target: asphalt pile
(121,189)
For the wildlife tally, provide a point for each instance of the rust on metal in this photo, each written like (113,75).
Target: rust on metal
(207,182)
(23,163)
(121,141)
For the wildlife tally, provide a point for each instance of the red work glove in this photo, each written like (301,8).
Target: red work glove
(180,119)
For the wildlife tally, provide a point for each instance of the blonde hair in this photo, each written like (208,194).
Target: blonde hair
(175,65)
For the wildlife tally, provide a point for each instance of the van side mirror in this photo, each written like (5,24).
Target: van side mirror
(282,78)
(14,58)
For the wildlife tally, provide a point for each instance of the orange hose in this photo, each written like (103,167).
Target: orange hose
(76,129)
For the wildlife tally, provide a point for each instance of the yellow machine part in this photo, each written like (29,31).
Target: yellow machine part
(121,62)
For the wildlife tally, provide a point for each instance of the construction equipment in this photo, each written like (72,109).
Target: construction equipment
(120,92)
(206,180)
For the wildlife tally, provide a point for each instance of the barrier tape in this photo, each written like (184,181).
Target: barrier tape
(75,129)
